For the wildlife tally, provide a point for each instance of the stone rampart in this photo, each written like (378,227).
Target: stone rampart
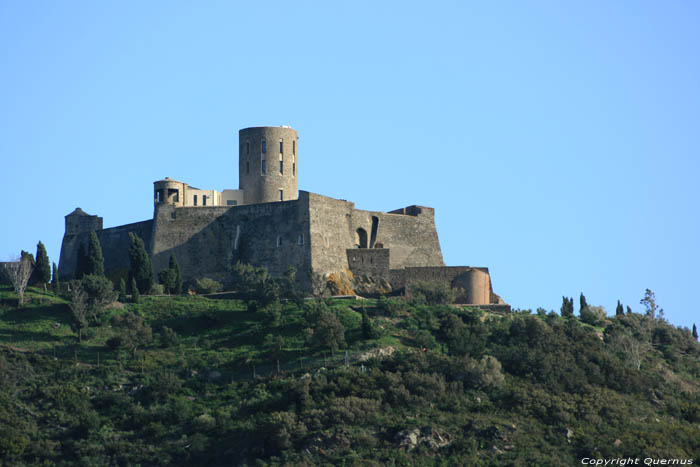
(208,241)
(337,226)
(474,284)
(373,262)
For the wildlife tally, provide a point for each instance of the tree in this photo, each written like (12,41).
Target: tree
(649,302)
(122,291)
(55,284)
(95,263)
(135,296)
(99,290)
(42,270)
(171,278)
(328,331)
(134,332)
(250,279)
(176,277)
(18,273)
(567,307)
(695,332)
(593,315)
(582,303)
(619,311)
(81,260)
(629,310)
(141,270)
(78,305)
(368,329)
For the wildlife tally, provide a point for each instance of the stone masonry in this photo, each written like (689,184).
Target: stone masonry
(266,222)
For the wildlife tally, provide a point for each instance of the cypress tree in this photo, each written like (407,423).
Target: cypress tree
(55,285)
(135,296)
(619,310)
(42,269)
(567,307)
(629,310)
(122,291)
(582,302)
(81,262)
(95,263)
(141,270)
(175,277)
(695,332)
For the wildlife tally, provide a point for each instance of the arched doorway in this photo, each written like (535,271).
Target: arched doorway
(361,238)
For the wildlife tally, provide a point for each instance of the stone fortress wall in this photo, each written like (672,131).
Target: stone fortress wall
(266,222)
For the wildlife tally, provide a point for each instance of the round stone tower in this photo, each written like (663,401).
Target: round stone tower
(268,163)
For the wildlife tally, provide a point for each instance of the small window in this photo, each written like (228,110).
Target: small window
(195,200)
(173,215)
(247,147)
(281,147)
(264,166)
(281,168)
(279,241)
(204,200)
(264,146)
(300,239)
(281,195)
(247,167)
(294,168)
(294,146)
(231,202)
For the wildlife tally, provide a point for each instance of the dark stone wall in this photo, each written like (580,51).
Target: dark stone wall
(208,241)
(373,262)
(115,248)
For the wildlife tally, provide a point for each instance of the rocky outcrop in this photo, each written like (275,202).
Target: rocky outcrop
(431,438)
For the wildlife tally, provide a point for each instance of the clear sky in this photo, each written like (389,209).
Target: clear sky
(558,141)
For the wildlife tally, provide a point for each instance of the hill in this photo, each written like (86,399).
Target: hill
(191,380)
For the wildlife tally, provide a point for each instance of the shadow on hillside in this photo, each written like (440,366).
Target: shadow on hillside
(58,312)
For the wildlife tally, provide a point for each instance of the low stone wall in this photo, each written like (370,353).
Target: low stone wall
(474,283)
(369,261)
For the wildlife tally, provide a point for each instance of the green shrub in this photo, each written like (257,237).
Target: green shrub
(431,293)
(206,285)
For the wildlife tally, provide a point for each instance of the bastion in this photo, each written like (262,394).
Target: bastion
(268,222)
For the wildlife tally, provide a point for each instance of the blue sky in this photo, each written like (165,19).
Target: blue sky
(558,141)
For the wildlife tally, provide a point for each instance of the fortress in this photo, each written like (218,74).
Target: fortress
(266,222)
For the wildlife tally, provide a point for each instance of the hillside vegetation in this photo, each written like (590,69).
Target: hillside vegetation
(191,380)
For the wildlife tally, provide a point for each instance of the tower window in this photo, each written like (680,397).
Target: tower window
(281,195)
(204,200)
(294,146)
(195,200)
(264,166)
(247,167)
(279,241)
(264,146)
(281,167)
(294,168)
(281,147)
(247,147)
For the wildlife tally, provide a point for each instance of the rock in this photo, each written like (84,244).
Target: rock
(379,354)
(495,450)
(617,443)
(429,437)
(569,434)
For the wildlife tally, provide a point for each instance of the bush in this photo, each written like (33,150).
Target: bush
(206,285)
(431,294)
(593,315)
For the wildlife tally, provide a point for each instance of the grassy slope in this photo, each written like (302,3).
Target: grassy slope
(161,407)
